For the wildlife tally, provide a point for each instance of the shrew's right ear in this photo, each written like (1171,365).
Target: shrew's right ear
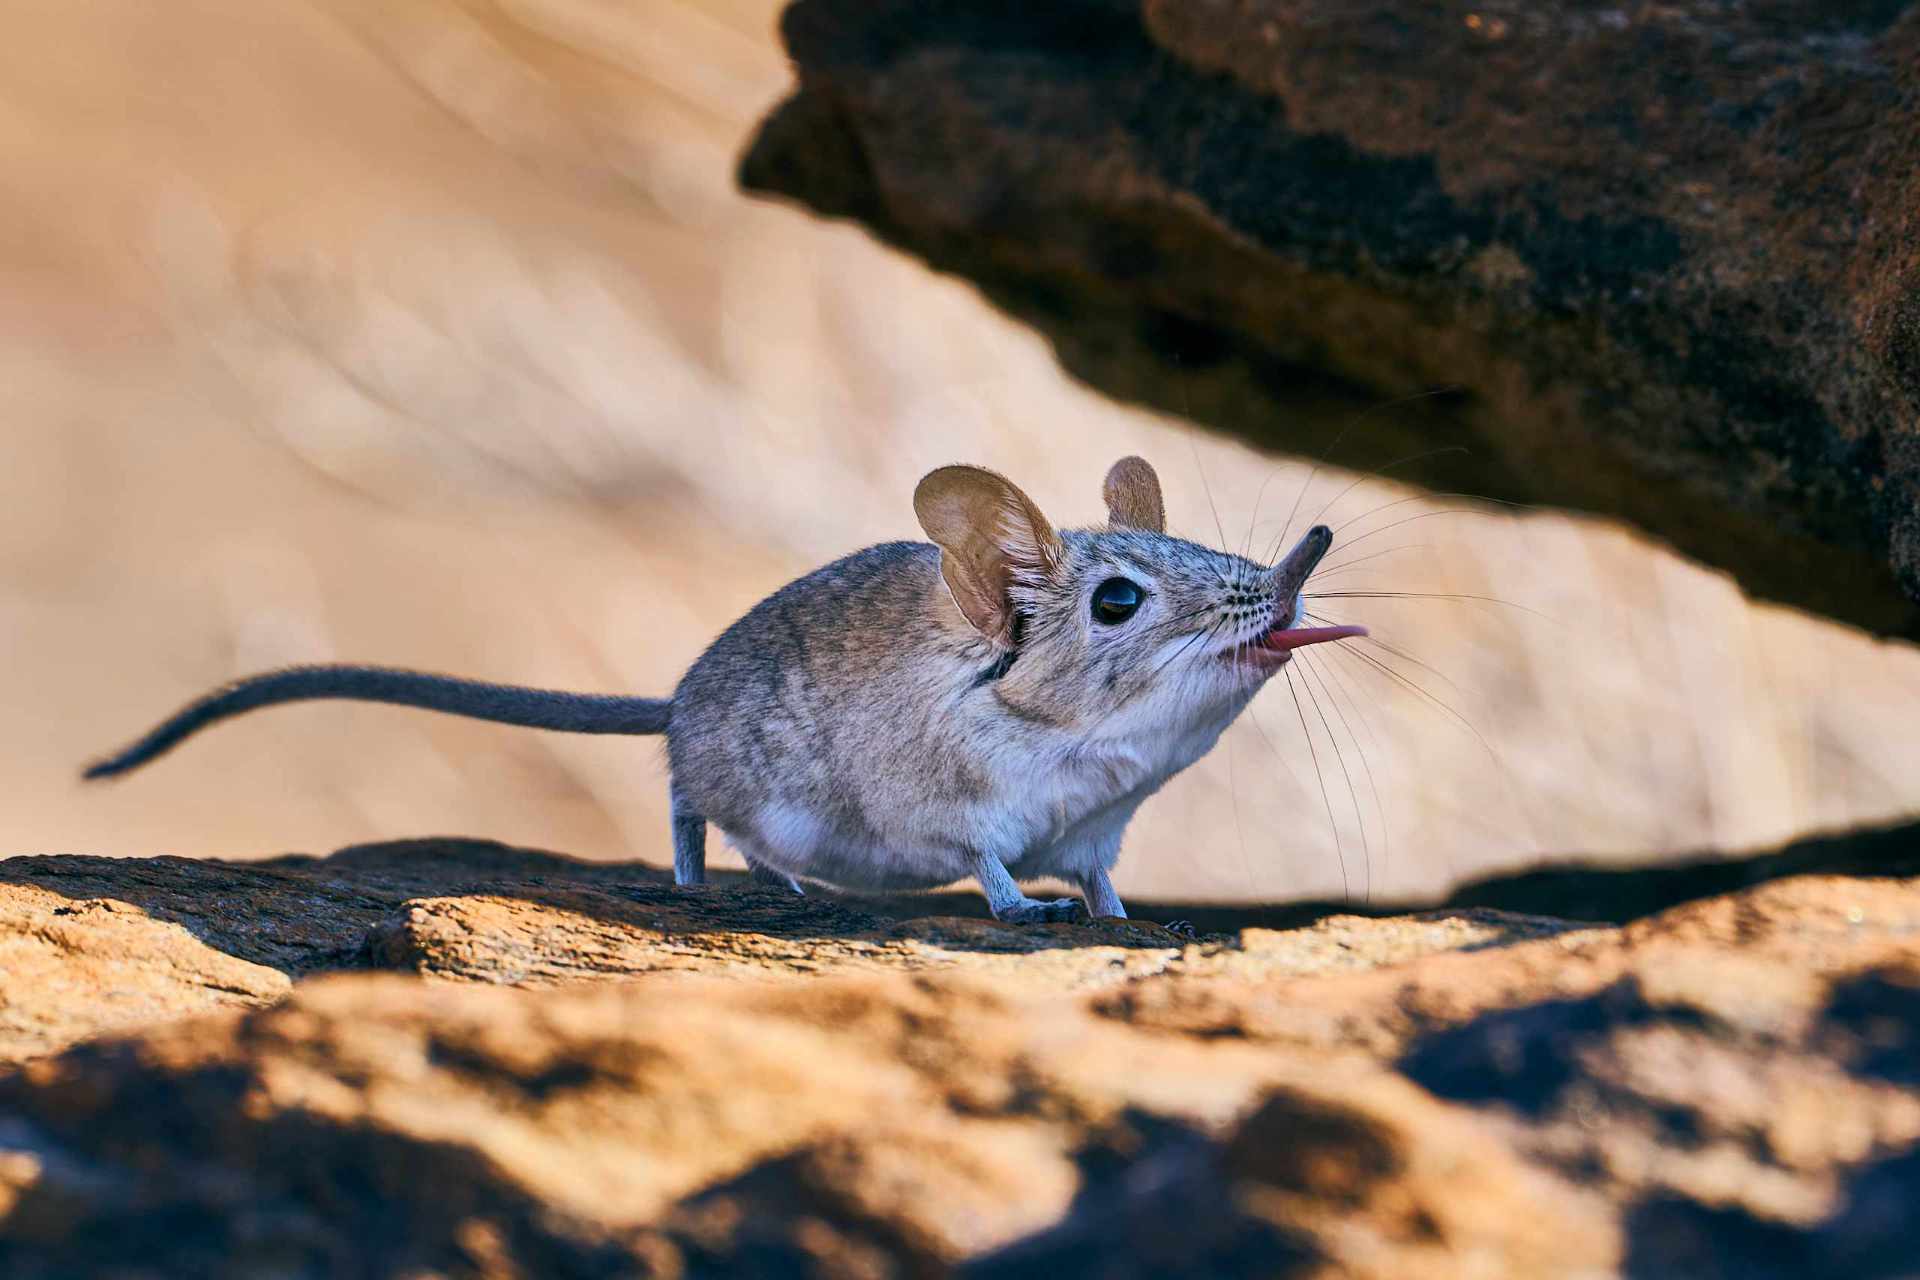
(990,535)
(1132,491)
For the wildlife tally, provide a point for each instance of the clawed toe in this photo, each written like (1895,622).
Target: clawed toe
(1183,928)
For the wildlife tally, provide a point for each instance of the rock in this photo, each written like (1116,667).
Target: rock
(574,1069)
(881,1125)
(71,967)
(1667,252)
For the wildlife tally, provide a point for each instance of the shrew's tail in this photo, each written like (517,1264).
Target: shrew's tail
(506,703)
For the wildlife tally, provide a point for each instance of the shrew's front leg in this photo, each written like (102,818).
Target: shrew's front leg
(1102,901)
(1007,903)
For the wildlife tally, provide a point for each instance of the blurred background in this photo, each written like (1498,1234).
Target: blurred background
(436,334)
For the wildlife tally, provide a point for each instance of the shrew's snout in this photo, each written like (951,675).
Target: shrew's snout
(1289,577)
(1291,573)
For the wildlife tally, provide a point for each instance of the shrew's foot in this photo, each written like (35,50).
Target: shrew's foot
(1033,911)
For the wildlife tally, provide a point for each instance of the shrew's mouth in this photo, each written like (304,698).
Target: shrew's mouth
(1277,645)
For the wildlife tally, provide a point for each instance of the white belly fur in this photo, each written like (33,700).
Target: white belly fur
(1054,812)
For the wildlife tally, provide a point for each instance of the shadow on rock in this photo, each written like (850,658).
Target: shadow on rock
(1869,1237)
(1156,1200)
(1617,895)
(1723,1116)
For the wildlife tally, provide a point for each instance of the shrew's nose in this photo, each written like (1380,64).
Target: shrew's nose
(1291,573)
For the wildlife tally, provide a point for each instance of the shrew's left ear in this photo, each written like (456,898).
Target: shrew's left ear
(1133,496)
(990,535)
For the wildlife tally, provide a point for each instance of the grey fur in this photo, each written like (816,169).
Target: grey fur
(851,729)
(508,704)
(854,729)
(689,838)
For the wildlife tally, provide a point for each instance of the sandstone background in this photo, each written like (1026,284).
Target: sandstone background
(437,334)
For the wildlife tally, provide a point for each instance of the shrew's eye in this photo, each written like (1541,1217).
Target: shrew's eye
(1115,600)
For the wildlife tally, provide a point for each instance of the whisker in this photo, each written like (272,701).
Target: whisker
(1192,613)
(1295,509)
(1196,638)
(1402,654)
(1339,565)
(1261,729)
(1396,651)
(1437,497)
(1466,597)
(1253,521)
(1353,797)
(1382,667)
(1206,488)
(1514,795)
(1424,515)
(1373,475)
(1346,887)
(1239,828)
(1325,671)
(1199,467)
(1349,425)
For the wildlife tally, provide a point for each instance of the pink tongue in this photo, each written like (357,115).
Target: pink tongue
(1300,637)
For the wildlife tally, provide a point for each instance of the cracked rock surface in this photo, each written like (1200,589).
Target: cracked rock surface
(454,1058)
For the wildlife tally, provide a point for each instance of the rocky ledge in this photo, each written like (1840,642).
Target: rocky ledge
(455,1058)
(1667,252)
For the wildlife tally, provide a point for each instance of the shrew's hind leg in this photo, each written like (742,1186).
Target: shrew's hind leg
(689,839)
(763,874)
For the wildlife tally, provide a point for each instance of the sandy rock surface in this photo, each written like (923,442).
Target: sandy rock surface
(456,1058)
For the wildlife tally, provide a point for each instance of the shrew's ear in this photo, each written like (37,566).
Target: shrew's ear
(1133,496)
(990,535)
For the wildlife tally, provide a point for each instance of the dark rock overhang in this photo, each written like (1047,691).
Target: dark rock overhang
(1669,256)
